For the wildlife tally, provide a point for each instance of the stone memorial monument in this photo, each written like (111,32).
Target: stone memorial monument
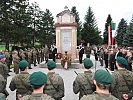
(66,33)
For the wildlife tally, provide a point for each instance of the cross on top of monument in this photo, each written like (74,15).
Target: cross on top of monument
(66,8)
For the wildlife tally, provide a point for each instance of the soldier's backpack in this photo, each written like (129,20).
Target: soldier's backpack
(124,82)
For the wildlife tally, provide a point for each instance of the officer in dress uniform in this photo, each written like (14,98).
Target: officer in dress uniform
(38,81)
(55,84)
(83,84)
(102,80)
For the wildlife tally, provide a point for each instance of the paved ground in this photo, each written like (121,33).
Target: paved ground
(67,75)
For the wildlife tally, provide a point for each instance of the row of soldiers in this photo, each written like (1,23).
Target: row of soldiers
(32,55)
(108,56)
(101,85)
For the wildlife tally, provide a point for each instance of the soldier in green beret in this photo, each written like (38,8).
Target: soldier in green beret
(122,87)
(55,84)
(38,81)
(83,84)
(20,82)
(102,80)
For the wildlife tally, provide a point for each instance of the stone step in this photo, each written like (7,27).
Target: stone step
(73,65)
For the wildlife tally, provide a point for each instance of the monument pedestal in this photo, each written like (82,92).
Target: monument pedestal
(66,33)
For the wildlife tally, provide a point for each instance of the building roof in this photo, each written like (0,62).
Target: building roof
(66,10)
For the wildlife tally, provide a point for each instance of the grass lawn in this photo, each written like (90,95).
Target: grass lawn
(2,47)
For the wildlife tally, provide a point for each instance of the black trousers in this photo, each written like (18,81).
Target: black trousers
(80,58)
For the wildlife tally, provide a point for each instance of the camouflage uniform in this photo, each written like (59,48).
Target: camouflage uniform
(38,55)
(2,87)
(87,51)
(15,62)
(22,55)
(7,54)
(122,79)
(46,53)
(20,82)
(42,54)
(29,55)
(40,96)
(83,84)
(3,70)
(99,96)
(34,53)
(54,86)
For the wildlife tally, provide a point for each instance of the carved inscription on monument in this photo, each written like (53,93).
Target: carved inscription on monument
(66,39)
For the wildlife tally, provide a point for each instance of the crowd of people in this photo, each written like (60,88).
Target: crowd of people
(104,84)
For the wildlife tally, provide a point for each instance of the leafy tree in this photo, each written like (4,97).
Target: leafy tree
(121,32)
(90,32)
(105,34)
(77,19)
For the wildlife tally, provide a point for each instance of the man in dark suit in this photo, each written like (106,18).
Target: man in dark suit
(81,52)
(54,51)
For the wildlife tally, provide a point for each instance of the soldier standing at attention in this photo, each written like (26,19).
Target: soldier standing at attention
(34,53)
(38,55)
(3,66)
(102,80)
(84,82)
(15,62)
(122,87)
(88,50)
(38,81)
(20,82)
(46,53)
(7,55)
(55,84)
(29,56)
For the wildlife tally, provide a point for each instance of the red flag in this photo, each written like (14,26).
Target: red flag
(109,35)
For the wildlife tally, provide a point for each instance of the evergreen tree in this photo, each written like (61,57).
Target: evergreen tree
(36,15)
(129,35)
(46,29)
(20,19)
(5,21)
(105,34)
(121,33)
(90,32)
(77,20)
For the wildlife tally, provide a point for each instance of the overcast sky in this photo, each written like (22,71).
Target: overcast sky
(117,8)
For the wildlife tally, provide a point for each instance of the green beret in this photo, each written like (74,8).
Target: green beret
(103,77)
(23,64)
(38,78)
(51,64)
(88,63)
(122,61)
